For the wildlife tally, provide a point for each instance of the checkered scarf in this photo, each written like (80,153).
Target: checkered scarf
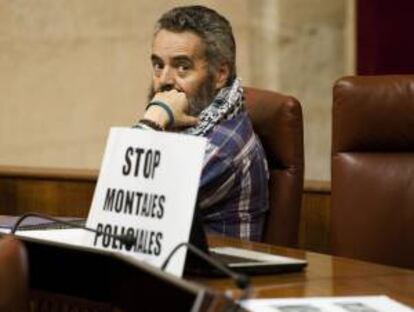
(227,104)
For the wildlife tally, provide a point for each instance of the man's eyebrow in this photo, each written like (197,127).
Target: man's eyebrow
(182,58)
(155,57)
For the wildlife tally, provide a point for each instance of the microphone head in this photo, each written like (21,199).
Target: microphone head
(242,281)
(129,241)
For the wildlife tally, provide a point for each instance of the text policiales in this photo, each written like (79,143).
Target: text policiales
(147,205)
(146,241)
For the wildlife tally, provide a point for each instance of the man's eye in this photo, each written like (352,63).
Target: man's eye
(183,68)
(156,66)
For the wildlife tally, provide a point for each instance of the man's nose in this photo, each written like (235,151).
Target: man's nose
(167,76)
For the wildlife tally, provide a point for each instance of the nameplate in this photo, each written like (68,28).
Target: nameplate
(147,189)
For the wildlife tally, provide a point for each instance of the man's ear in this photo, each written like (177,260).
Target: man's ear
(221,76)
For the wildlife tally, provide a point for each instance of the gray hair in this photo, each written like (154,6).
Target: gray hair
(214,30)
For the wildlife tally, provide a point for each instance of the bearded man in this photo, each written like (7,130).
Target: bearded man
(195,90)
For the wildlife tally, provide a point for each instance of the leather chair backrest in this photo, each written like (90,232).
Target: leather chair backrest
(13,276)
(373,169)
(277,120)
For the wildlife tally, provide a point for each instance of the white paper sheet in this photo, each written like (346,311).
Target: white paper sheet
(147,190)
(326,304)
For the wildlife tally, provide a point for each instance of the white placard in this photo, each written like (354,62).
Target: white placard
(147,187)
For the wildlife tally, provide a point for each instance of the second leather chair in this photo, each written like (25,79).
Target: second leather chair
(277,119)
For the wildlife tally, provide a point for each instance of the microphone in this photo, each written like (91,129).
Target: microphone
(128,241)
(242,281)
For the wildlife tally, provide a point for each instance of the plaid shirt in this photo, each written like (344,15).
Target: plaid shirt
(233,194)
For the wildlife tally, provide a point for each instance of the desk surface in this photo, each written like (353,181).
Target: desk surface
(325,276)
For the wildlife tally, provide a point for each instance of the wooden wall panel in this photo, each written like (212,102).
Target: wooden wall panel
(54,192)
(314,232)
(69,193)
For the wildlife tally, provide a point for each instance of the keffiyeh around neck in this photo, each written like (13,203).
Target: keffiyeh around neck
(227,104)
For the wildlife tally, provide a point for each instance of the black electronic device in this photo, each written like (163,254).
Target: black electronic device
(236,259)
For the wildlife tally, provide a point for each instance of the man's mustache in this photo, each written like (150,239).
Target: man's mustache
(164,88)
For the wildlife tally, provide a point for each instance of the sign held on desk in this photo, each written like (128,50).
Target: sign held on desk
(147,190)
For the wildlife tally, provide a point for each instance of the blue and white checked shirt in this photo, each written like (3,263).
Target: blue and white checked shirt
(233,194)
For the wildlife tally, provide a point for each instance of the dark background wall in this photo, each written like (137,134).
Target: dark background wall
(385,37)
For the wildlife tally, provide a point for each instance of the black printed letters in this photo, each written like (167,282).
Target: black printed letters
(140,162)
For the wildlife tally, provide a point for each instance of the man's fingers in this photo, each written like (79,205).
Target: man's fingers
(176,100)
(188,121)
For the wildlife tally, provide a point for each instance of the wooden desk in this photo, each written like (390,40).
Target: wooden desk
(69,192)
(325,276)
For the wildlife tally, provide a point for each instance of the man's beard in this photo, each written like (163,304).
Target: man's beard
(202,98)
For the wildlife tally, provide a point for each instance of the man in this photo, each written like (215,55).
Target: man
(195,90)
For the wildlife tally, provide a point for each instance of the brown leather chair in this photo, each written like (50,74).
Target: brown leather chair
(277,119)
(13,276)
(373,169)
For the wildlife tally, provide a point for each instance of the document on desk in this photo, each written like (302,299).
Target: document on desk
(326,304)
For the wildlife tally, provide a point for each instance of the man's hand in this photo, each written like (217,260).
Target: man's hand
(178,103)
